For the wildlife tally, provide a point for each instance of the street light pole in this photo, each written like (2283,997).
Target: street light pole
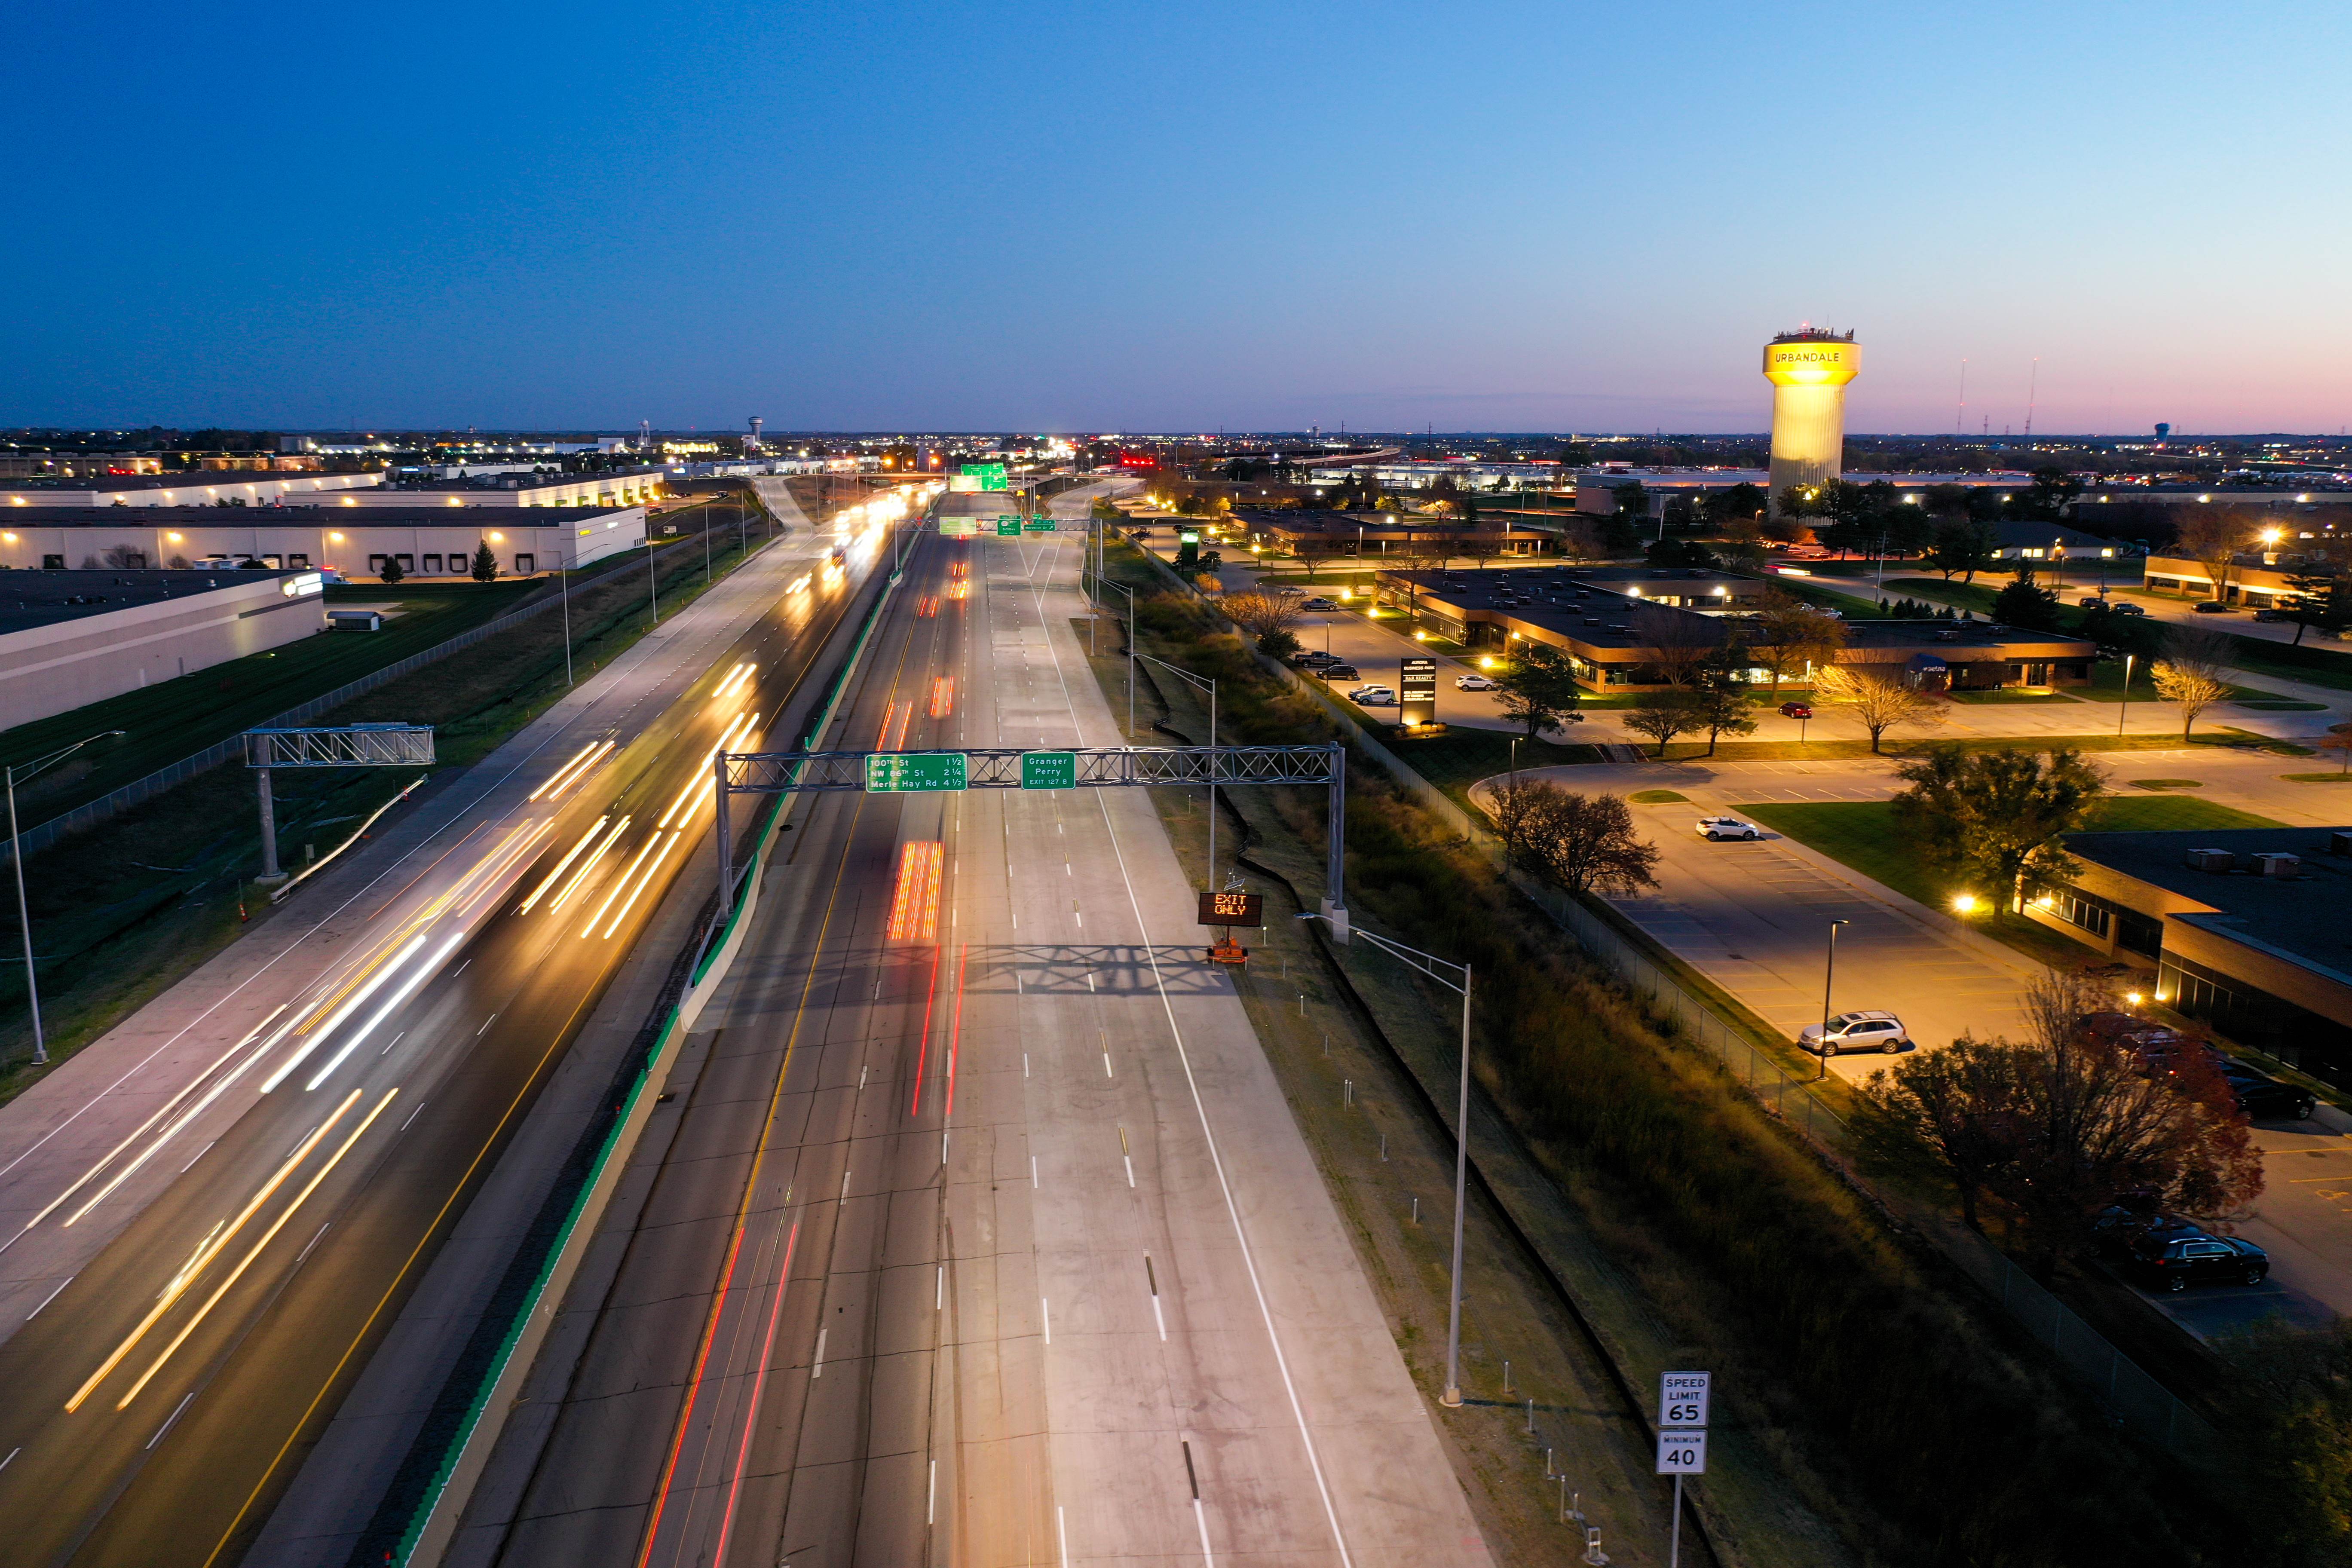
(2123,702)
(1829,976)
(17,855)
(1430,964)
(1210,686)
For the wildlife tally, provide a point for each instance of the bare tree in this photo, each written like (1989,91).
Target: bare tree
(2212,536)
(2193,672)
(1678,642)
(1480,547)
(1262,615)
(1790,635)
(1583,842)
(1879,703)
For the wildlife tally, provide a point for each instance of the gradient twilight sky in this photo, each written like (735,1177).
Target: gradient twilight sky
(1025,215)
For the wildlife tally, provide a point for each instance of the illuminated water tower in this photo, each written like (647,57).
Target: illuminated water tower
(1809,371)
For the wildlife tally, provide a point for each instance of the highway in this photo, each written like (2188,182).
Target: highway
(161,1398)
(977,1230)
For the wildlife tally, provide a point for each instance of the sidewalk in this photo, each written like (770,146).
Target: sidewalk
(63,1125)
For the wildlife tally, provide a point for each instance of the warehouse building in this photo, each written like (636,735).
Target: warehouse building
(214,489)
(618,488)
(427,540)
(71,638)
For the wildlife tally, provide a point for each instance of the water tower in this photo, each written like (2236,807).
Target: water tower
(1809,371)
(753,444)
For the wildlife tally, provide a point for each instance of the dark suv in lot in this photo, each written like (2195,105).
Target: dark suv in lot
(2173,1259)
(2263,1098)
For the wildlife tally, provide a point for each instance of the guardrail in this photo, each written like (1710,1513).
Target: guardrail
(433,1528)
(41,834)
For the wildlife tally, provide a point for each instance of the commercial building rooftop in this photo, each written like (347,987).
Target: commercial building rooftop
(2301,917)
(29,599)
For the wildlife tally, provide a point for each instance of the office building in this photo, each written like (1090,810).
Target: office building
(427,540)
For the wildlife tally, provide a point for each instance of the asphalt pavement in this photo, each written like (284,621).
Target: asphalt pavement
(233,1218)
(979,1231)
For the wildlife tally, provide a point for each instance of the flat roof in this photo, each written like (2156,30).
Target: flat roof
(188,479)
(2301,919)
(1593,605)
(308,514)
(29,599)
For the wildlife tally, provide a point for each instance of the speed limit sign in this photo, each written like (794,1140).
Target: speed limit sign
(1682,1453)
(1682,1398)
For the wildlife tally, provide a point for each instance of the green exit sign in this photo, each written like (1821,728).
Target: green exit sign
(1008,528)
(902,773)
(1049,770)
(1041,525)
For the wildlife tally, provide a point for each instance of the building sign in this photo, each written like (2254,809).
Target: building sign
(1417,690)
(903,772)
(1233,909)
(1049,770)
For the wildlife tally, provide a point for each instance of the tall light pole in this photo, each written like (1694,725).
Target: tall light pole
(1829,977)
(16,854)
(1432,966)
(1122,588)
(2123,703)
(1210,687)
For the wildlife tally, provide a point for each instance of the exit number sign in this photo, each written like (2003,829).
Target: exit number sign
(1049,770)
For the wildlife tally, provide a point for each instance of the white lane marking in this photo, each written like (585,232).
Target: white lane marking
(1129,1159)
(1033,1172)
(1045,1316)
(817,1367)
(1107,1072)
(1061,1530)
(166,1426)
(1159,1318)
(1201,1519)
(413,1115)
(49,1297)
(197,1156)
(939,1296)
(14,1452)
(844,1187)
(313,1241)
(931,1498)
(1024,1064)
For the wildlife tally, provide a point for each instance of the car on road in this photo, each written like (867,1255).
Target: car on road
(2263,1098)
(1864,1031)
(1474,683)
(1318,602)
(1372,697)
(2210,608)
(2128,610)
(2273,617)
(1313,656)
(1337,672)
(2092,601)
(1727,827)
(1796,710)
(2173,1261)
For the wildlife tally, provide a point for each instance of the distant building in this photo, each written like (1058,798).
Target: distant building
(1808,371)
(2025,544)
(519,486)
(1596,487)
(2243,930)
(1606,620)
(2258,579)
(427,540)
(246,489)
(71,638)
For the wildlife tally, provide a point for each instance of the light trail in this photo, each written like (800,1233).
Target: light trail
(942,695)
(212,1248)
(497,863)
(621,881)
(752,1411)
(701,777)
(573,771)
(352,1004)
(899,714)
(570,854)
(168,1107)
(915,901)
(588,865)
(255,1251)
(578,757)
(799,587)
(422,974)
(620,914)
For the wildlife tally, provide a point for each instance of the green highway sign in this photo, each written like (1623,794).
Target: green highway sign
(1041,525)
(990,475)
(1008,528)
(1049,770)
(902,773)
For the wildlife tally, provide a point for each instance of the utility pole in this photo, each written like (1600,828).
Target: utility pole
(16,854)
(1829,976)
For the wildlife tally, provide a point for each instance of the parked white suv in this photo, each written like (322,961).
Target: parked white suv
(1871,1031)
(1727,827)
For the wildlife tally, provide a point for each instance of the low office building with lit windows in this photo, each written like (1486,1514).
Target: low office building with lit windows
(210,488)
(427,541)
(2244,931)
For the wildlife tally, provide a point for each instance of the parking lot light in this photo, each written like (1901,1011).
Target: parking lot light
(1965,903)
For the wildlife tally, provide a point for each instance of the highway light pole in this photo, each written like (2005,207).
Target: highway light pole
(1210,687)
(1122,588)
(16,854)
(1432,966)
(2123,703)
(1829,976)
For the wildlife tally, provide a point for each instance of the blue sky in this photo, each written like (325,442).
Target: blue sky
(1110,215)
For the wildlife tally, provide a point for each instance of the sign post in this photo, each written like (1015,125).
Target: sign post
(1683,1398)
(1417,691)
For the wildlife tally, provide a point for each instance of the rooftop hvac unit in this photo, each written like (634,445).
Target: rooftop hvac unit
(2287,867)
(2214,860)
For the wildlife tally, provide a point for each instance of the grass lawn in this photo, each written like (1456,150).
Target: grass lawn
(1460,758)
(2167,784)
(2011,694)
(1655,797)
(1791,751)
(2317,778)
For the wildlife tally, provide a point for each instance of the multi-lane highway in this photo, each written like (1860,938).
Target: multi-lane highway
(977,1230)
(160,1398)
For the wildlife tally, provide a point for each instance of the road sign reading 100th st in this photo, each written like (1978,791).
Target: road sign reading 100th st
(899,773)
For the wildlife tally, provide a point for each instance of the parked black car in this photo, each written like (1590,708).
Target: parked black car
(2122,1226)
(1337,672)
(2263,1098)
(2177,1262)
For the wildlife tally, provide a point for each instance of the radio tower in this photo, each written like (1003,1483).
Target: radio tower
(1960,422)
(2032,389)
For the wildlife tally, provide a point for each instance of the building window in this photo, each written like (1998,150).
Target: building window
(2079,908)
(2136,932)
